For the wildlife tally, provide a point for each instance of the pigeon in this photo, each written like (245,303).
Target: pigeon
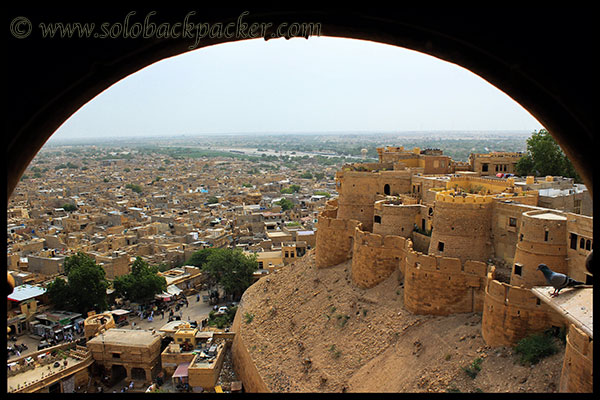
(557,280)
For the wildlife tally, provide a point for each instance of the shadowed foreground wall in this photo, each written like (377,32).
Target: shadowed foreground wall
(578,366)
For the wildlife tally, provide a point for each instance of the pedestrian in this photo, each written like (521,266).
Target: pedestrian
(162,314)
(197,297)
(131,385)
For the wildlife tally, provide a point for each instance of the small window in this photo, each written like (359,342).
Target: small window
(116,355)
(573,241)
(588,244)
(440,246)
(386,189)
(518,269)
(546,234)
(377,219)
(512,222)
(582,243)
(484,167)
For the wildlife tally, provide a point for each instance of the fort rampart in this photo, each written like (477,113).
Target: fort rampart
(375,257)
(442,285)
(511,313)
(542,239)
(334,241)
(462,227)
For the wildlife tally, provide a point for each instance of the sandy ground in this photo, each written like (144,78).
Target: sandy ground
(311,330)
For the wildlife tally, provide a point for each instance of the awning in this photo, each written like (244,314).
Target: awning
(181,371)
(174,290)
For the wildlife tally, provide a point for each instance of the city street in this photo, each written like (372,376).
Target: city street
(195,311)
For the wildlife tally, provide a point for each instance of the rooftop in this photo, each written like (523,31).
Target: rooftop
(575,304)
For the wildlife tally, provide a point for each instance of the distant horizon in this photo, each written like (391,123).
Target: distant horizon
(407,133)
(317,85)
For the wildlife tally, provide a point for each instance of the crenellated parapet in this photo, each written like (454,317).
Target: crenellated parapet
(334,240)
(375,257)
(442,285)
(462,226)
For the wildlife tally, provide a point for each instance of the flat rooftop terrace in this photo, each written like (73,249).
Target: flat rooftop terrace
(575,304)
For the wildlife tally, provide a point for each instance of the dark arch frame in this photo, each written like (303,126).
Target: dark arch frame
(540,58)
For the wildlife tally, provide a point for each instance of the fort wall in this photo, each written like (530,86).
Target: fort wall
(375,257)
(511,313)
(243,364)
(334,241)
(442,285)
(358,191)
(580,241)
(542,239)
(577,371)
(462,227)
(395,219)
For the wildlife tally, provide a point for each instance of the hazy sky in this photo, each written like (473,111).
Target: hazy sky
(298,85)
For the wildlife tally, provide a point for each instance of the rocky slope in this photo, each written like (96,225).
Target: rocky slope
(311,330)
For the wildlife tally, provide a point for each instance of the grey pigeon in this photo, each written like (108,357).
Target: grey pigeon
(557,280)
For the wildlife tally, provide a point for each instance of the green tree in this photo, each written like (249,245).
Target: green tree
(285,204)
(141,284)
(231,269)
(85,288)
(212,200)
(545,157)
(69,207)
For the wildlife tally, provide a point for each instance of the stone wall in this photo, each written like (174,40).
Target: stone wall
(375,257)
(395,219)
(583,228)
(511,313)
(358,191)
(334,241)
(542,239)
(243,364)
(462,227)
(577,371)
(442,285)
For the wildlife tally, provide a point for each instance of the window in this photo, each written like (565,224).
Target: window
(518,269)
(484,167)
(512,221)
(582,243)
(386,189)
(440,246)
(546,233)
(573,241)
(116,355)
(377,219)
(588,244)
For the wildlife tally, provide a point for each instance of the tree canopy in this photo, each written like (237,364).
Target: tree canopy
(230,269)
(285,204)
(141,284)
(545,157)
(85,287)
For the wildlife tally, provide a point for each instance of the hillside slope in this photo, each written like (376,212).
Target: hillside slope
(311,330)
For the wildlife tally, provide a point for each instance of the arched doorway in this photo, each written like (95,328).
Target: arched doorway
(386,189)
